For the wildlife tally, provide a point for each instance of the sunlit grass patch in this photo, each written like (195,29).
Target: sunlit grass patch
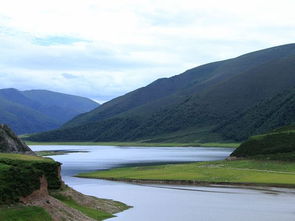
(239,171)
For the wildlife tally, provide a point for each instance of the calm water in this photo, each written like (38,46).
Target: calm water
(173,203)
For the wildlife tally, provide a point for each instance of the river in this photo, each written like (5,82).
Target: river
(171,202)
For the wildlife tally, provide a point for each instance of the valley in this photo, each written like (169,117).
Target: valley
(223,130)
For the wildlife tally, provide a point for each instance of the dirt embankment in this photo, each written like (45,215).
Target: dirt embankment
(54,207)
(59,211)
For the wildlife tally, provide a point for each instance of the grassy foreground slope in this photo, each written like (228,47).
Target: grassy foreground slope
(22,177)
(95,208)
(90,212)
(224,172)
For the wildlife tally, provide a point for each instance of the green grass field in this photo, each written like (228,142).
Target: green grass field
(132,144)
(28,158)
(238,171)
(24,213)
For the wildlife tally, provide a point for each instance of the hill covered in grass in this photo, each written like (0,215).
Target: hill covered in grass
(279,144)
(199,105)
(39,110)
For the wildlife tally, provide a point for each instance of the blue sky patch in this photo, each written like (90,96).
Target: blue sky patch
(57,40)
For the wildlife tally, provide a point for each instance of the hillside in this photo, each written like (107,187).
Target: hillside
(278,144)
(194,106)
(39,110)
(269,114)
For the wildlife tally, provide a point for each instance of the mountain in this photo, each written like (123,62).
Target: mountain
(195,106)
(39,110)
(10,143)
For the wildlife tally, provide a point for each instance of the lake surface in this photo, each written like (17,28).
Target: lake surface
(171,202)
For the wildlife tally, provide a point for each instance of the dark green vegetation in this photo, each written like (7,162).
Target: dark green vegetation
(90,212)
(222,101)
(39,110)
(24,213)
(266,115)
(268,173)
(20,175)
(276,145)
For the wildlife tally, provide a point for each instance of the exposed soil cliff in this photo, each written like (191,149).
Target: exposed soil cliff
(57,210)
(39,194)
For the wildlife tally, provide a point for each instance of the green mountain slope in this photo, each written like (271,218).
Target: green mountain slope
(36,111)
(190,106)
(193,81)
(62,107)
(267,115)
(276,145)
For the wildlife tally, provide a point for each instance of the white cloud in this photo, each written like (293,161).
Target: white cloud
(114,46)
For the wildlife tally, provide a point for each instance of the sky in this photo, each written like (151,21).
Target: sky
(103,49)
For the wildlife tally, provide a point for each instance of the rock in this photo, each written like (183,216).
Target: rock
(10,143)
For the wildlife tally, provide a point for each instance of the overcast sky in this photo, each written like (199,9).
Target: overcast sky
(104,48)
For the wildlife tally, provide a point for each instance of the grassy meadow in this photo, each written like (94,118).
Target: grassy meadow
(271,173)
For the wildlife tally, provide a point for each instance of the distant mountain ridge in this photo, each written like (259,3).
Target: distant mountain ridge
(191,107)
(39,110)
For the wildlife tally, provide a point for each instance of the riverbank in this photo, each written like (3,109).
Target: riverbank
(137,144)
(225,172)
(31,188)
(63,204)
